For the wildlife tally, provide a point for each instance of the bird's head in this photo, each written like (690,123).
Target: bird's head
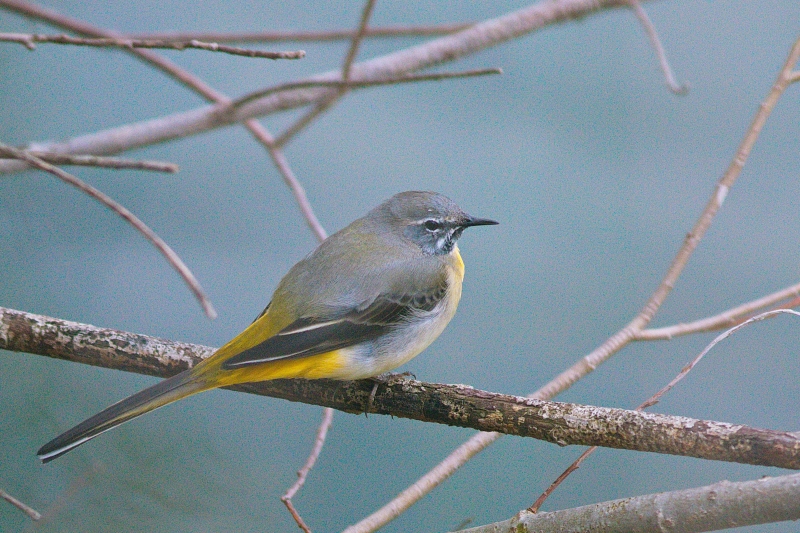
(428,219)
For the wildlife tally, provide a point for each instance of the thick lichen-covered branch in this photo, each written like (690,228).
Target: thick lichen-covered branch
(455,405)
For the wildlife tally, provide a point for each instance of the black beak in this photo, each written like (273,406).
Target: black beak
(472,221)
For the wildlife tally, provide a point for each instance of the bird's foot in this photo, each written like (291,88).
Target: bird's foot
(385,378)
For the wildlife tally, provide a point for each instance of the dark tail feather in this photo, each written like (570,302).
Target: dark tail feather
(158,395)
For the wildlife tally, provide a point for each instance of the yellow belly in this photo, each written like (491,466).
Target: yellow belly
(324,365)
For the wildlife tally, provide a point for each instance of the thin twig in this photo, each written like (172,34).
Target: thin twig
(30,511)
(277,154)
(655,398)
(652,34)
(132,219)
(471,40)
(326,103)
(297,518)
(616,342)
(302,474)
(555,484)
(257,130)
(84,28)
(688,368)
(282,164)
(355,42)
(310,36)
(103,162)
(338,84)
(30,40)
(322,433)
(68,495)
(722,320)
(186,78)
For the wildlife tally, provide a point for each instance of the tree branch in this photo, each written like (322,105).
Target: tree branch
(478,37)
(725,319)
(309,36)
(719,506)
(29,40)
(455,405)
(169,254)
(103,162)
(32,513)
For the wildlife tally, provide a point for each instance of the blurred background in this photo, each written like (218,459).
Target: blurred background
(594,169)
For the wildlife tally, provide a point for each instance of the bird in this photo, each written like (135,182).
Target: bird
(368,299)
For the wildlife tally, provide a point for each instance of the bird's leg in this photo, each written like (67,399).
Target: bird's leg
(371,397)
(386,377)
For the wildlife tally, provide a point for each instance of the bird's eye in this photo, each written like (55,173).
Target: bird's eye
(432,225)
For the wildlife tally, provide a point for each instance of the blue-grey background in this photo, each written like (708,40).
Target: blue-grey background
(593,168)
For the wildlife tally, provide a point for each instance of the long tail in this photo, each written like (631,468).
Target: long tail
(160,394)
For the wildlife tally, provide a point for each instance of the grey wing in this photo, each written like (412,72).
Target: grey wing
(311,336)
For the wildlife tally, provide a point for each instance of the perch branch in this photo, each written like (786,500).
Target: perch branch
(455,405)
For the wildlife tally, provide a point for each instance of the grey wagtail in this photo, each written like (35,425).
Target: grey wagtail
(367,300)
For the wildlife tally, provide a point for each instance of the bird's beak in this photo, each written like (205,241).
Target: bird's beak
(472,221)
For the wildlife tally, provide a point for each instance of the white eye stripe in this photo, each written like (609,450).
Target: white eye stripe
(431,224)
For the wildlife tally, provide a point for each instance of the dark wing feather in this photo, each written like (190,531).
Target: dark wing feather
(311,336)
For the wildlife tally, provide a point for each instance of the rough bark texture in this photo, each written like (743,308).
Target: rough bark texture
(722,505)
(455,405)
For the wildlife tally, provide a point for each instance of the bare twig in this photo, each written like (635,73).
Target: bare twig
(655,398)
(189,80)
(616,342)
(302,474)
(79,26)
(282,164)
(725,319)
(67,496)
(355,42)
(327,102)
(555,484)
(257,130)
(132,219)
(295,515)
(311,36)
(277,154)
(477,37)
(588,363)
(652,34)
(29,40)
(30,511)
(719,506)
(405,78)
(688,368)
(104,162)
